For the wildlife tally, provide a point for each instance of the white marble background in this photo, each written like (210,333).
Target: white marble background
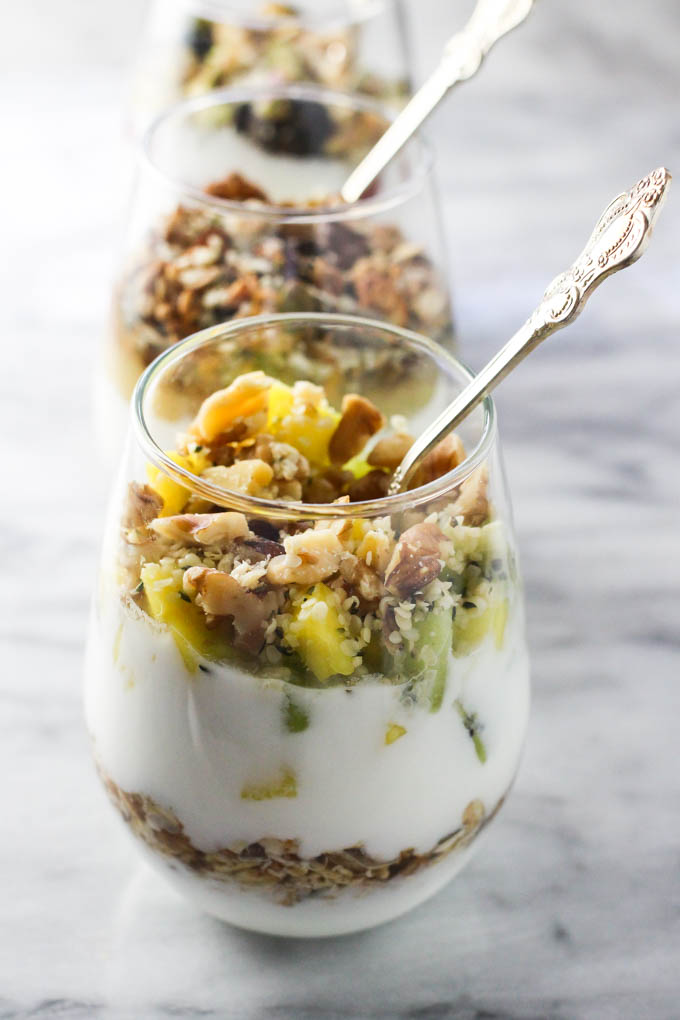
(571,910)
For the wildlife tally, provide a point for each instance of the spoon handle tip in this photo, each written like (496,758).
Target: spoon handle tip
(620,237)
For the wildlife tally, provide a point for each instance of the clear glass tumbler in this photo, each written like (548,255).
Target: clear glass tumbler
(307,699)
(236,213)
(191,47)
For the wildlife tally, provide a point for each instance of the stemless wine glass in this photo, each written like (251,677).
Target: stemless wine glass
(191,47)
(306,712)
(235,213)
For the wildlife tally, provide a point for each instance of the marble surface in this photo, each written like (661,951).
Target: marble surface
(571,908)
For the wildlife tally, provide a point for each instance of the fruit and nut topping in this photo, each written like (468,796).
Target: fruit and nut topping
(206,265)
(338,599)
(276,43)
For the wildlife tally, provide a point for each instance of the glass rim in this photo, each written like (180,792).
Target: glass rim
(293,510)
(339,16)
(372,205)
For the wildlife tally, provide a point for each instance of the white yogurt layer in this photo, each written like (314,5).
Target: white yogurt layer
(196,743)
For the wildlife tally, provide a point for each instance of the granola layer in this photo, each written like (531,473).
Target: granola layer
(275,865)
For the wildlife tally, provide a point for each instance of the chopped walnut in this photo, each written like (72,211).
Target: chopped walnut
(415,560)
(236,188)
(199,255)
(219,594)
(327,486)
(360,420)
(288,490)
(310,556)
(446,456)
(376,288)
(342,527)
(234,295)
(363,578)
(472,503)
(287,463)
(257,549)
(375,549)
(390,451)
(202,529)
(143,505)
(374,485)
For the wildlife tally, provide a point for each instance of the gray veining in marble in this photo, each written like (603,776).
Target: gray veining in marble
(571,909)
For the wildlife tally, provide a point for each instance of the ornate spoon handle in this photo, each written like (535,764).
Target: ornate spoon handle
(463,55)
(620,237)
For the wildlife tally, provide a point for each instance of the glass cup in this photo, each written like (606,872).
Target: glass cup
(306,699)
(191,47)
(269,234)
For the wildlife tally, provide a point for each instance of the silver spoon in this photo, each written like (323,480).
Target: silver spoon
(462,58)
(620,237)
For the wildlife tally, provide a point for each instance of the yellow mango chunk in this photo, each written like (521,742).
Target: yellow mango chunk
(394,731)
(285,785)
(317,634)
(280,404)
(359,529)
(173,494)
(186,622)
(470,628)
(307,424)
(309,433)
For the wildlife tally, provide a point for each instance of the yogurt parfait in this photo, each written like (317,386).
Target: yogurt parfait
(306,698)
(237,213)
(191,47)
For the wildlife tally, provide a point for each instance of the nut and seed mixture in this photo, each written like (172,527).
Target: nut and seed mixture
(218,54)
(202,267)
(337,600)
(276,865)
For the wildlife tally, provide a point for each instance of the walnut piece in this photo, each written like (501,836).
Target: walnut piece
(364,580)
(287,463)
(257,549)
(390,451)
(374,485)
(376,287)
(360,420)
(375,549)
(327,486)
(415,560)
(446,456)
(472,503)
(219,594)
(143,505)
(236,188)
(310,556)
(202,529)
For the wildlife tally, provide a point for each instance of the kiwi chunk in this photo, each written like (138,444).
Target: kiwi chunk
(426,662)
